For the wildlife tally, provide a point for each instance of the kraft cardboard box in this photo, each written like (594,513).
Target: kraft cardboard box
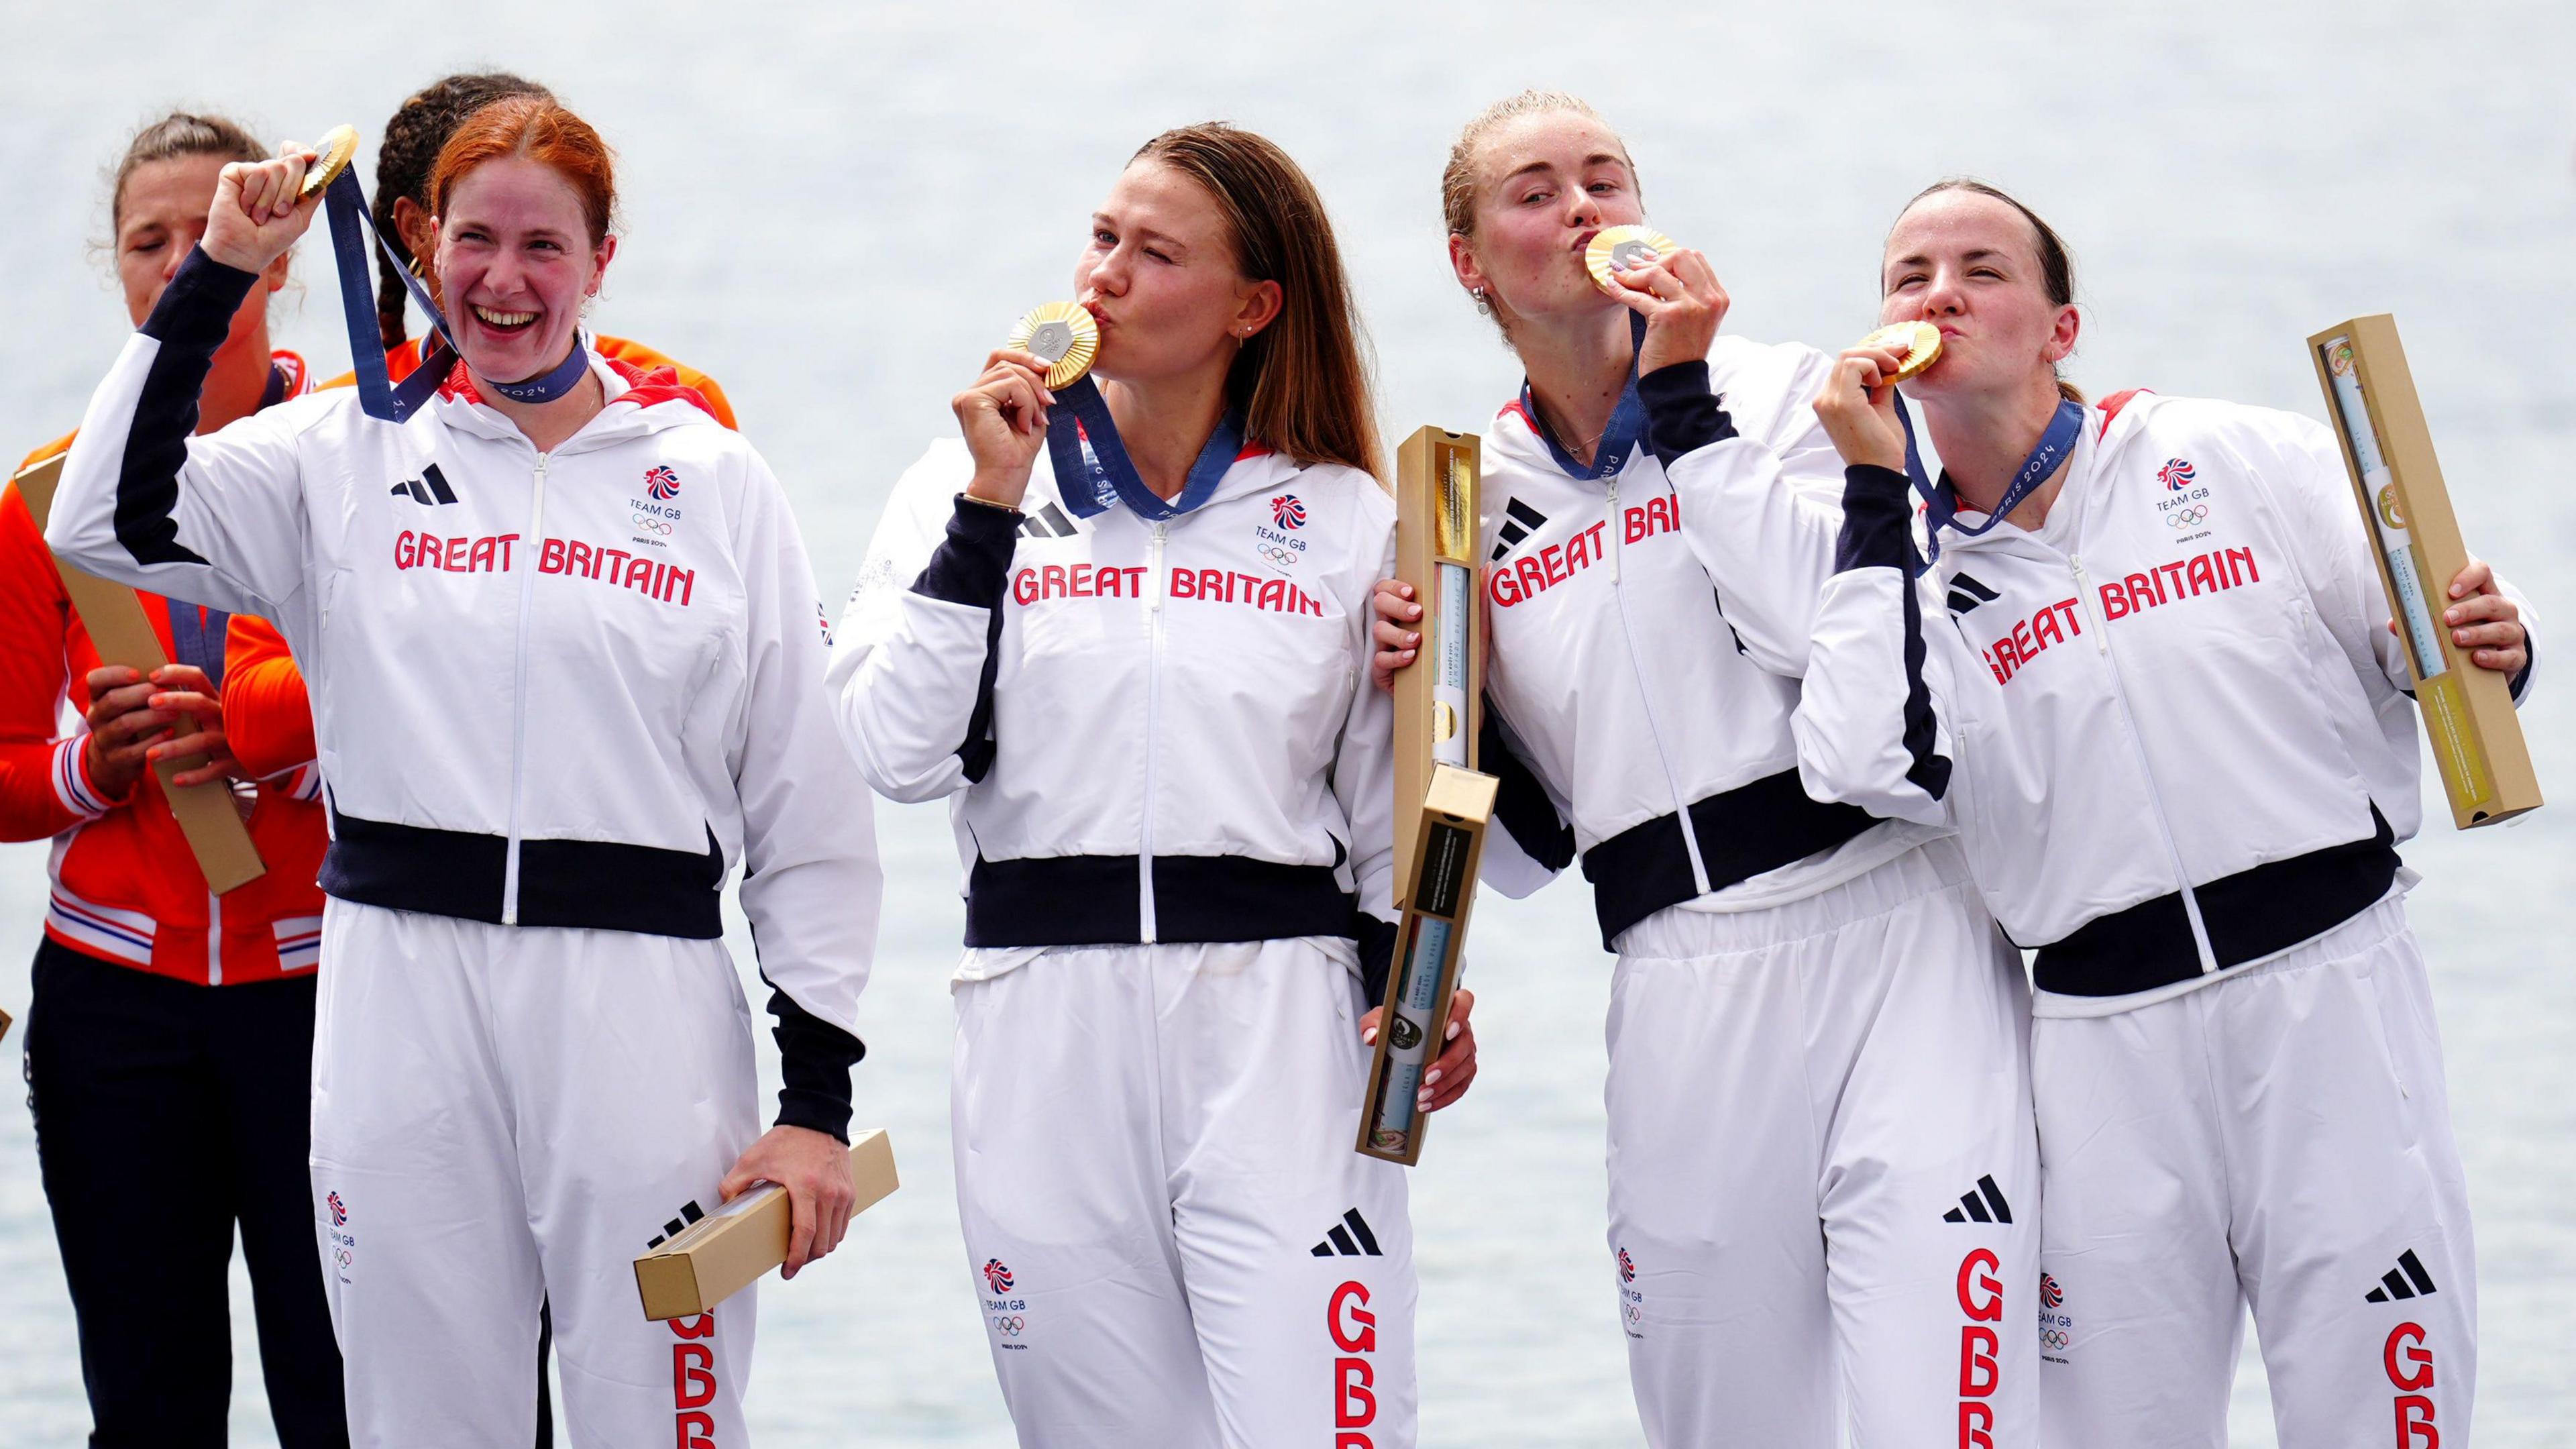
(723,1252)
(2468,711)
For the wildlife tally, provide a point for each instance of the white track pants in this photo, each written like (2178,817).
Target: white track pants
(507,1116)
(1821,1158)
(1173,1240)
(2281,1137)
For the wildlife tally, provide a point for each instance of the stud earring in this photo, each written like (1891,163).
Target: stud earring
(1483,307)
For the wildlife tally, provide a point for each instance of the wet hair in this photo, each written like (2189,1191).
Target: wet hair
(1458,178)
(176,135)
(540,130)
(2056,264)
(416,133)
(1302,383)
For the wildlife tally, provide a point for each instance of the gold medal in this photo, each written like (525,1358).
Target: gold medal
(1617,248)
(1063,335)
(1920,341)
(337,148)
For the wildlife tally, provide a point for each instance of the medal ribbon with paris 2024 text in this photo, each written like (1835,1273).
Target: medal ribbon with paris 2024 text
(1092,469)
(378,395)
(1941,501)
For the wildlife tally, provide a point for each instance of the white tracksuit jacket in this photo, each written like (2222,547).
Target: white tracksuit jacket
(1667,765)
(1099,693)
(2170,725)
(569,689)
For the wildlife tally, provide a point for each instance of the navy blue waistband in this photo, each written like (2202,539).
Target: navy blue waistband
(596,885)
(1742,832)
(2249,915)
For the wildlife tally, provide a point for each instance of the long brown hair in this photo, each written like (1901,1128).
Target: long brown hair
(1302,383)
(2056,264)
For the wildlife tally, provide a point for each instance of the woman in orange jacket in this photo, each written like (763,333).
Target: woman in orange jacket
(162,1012)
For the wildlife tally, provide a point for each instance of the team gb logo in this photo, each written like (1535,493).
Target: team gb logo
(1287,512)
(2176,475)
(661,482)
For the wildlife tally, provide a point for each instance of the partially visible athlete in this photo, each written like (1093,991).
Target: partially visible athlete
(1823,1184)
(550,732)
(161,1012)
(1147,702)
(2173,733)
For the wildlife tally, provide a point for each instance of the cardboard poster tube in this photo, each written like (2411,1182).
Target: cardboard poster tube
(725,1251)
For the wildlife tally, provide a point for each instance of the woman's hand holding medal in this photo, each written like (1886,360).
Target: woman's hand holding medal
(261,208)
(1858,404)
(1004,418)
(1682,301)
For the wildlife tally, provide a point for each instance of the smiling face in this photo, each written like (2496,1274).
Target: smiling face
(1544,184)
(515,261)
(1969,264)
(1160,275)
(160,215)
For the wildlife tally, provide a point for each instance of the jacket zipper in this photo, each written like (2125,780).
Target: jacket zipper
(2146,774)
(1636,662)
(519,697)
(214,939)
(1153,718)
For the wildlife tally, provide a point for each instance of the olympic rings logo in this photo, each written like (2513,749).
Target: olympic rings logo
(651,524)
(1011,1325)
(2053,1338)
(2185,518)
(1283,557)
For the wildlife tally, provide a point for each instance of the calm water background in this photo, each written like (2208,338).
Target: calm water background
(836,211)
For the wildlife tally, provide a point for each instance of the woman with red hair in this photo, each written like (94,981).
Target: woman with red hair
(560,635)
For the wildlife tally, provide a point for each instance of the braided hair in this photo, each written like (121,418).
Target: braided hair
(405,159)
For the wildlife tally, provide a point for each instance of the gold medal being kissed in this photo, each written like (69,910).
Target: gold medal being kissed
(1615,249)
(1063,335)
(1919,341)
(333,152)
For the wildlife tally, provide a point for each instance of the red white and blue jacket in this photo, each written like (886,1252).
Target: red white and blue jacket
(2170,725)
(1638,716)
(563,689)
(1148,731)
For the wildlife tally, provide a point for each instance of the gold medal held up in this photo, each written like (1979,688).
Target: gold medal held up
(1063,335)
(1617,248)
(333,153)
(1919,341)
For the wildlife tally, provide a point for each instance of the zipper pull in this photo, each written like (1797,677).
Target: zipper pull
(1612,526)
(1154,604)
(2084,600)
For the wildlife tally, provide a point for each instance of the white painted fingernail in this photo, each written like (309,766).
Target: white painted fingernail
(1452,1033)
(1431,1077)
(1422,1099)
(1369,1037)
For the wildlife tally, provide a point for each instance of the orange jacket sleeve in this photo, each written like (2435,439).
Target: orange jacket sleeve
(268,718)
(44,783)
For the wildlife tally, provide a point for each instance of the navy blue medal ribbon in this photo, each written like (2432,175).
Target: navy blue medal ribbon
(197,637)
(378,395)
(1093,471)
(1941,501)
(1627,426)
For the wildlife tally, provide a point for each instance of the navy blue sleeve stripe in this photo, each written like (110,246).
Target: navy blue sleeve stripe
(2522,677)
(814,1061)
(1521,804)
(1930,770)
(972,566)
(1682,415)
(190,322)
(1875,515)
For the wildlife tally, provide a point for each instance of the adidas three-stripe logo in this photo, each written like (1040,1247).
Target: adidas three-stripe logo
(1047,522)
(1350,1238)
(1522,522)
(2393,1283)
(1985,1205)
(690,1212)
(429,488)
(1966,593)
